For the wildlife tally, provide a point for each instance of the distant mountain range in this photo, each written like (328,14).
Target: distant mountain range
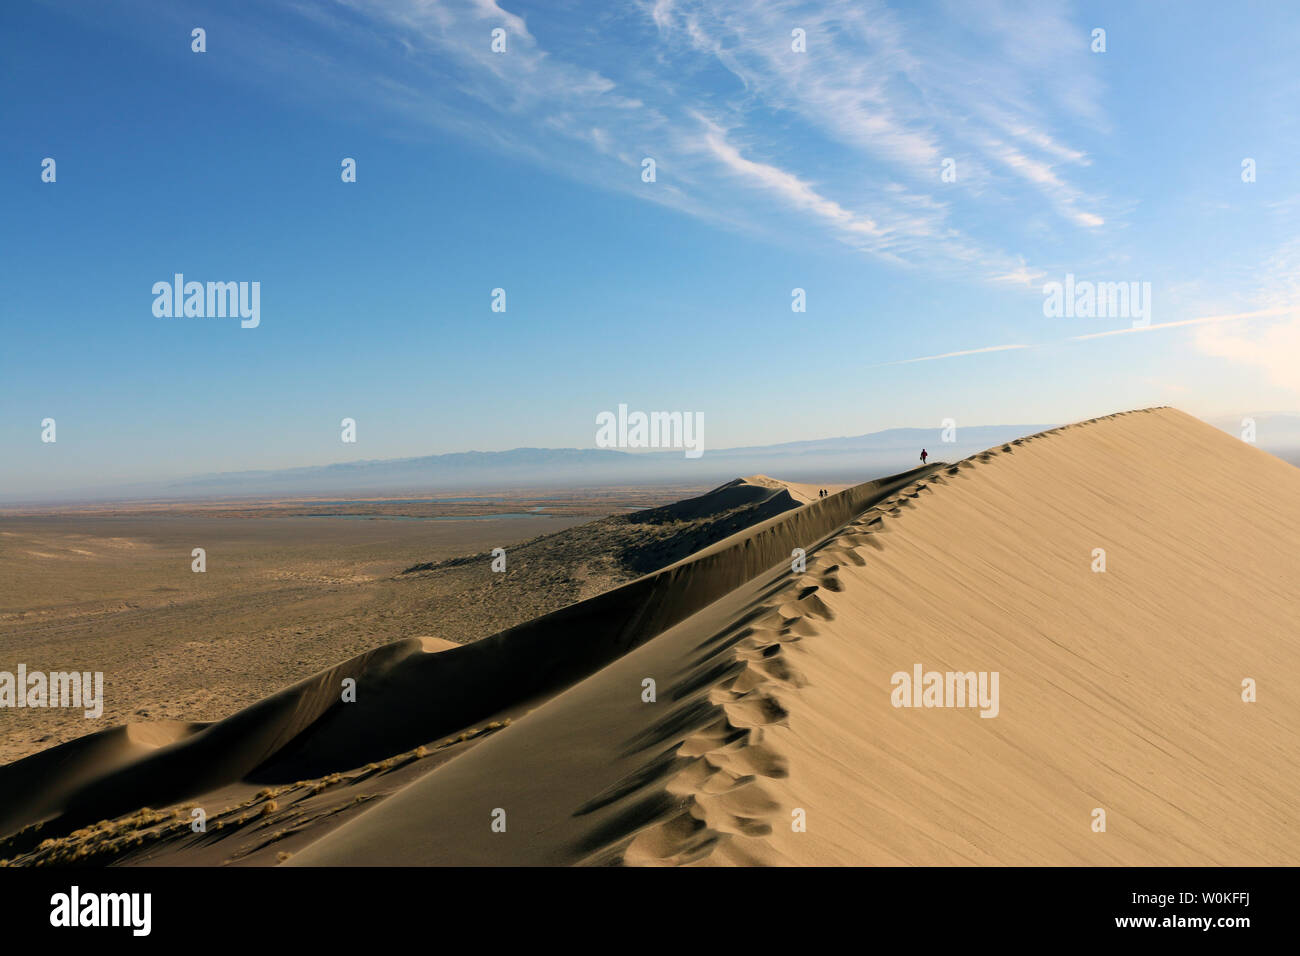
(856,458)
(831,460)
(894,447)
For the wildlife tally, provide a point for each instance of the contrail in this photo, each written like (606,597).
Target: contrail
(1173,325)
(931,358)
(1262,313)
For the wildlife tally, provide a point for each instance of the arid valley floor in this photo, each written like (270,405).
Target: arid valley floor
(290,587)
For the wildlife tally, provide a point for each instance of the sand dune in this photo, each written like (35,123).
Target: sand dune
(39,785)
(803,493)
(773,494)
(1119,691)
(408,695)
(733,506)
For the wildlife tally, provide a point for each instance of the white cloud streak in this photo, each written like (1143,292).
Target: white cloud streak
(848,137)
(963,352)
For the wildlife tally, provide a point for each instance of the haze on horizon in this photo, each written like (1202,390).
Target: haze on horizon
(847,459)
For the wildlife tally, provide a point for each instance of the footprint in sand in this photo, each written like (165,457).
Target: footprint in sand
(756,709)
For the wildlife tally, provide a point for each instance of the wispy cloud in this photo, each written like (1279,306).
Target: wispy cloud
(1277,349)
(848,137)
(908,95)
(1203,320)
(1020,275)
(786,185)
(1274,347)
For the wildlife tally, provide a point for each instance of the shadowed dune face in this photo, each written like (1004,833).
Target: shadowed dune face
(761,496)
(773,735)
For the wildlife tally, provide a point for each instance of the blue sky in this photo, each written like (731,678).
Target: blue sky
(522,170)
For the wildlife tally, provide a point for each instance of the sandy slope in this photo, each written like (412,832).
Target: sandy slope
(765,496)
(1118,690)
(407,694)
(802,493)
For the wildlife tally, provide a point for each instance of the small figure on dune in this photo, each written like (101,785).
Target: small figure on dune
(924,456)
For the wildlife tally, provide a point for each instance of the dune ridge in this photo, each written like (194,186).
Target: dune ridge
(1120,690)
